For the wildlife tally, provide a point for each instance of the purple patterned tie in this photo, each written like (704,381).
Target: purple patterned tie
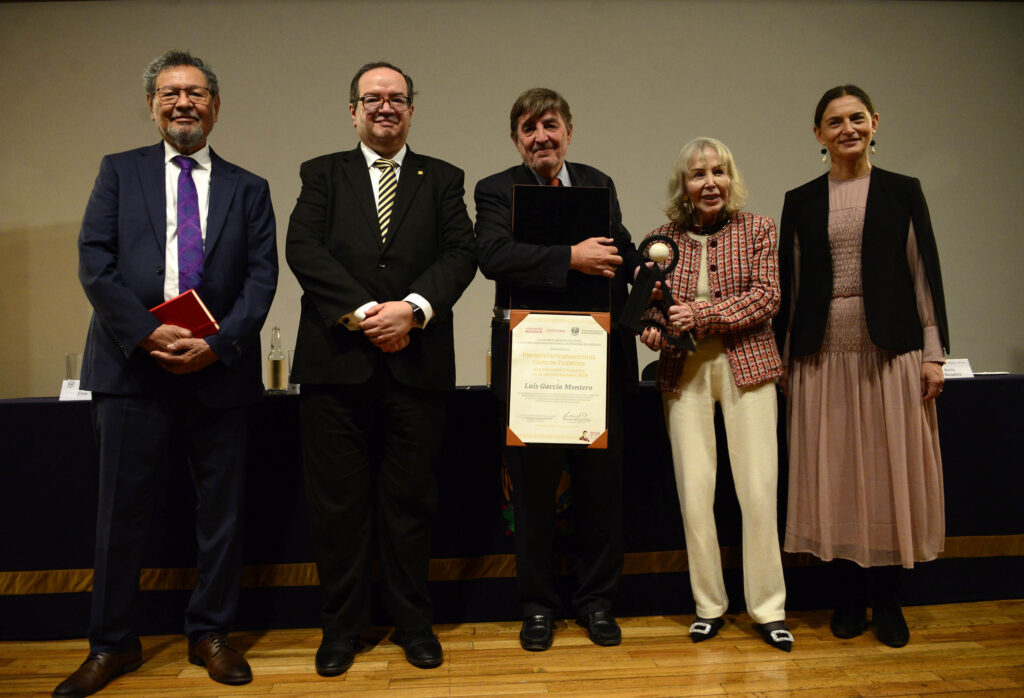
(190,234)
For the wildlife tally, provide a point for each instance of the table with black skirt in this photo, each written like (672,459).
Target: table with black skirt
(48,515)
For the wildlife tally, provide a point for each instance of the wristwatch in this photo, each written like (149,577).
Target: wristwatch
(418,317)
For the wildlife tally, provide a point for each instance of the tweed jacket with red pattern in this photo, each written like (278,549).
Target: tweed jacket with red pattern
(743,281)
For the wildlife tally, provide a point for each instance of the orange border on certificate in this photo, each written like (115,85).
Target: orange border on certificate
(604,319)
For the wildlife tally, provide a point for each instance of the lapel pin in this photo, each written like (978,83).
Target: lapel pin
(419,172)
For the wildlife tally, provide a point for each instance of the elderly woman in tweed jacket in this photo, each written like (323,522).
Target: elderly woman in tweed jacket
(726,286)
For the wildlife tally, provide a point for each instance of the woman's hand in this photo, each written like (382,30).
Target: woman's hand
(931,380)
(651,337)
(681,317)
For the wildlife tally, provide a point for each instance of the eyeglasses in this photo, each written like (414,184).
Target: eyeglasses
(169,95)
(373,103)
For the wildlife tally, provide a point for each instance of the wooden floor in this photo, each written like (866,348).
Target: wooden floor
(972,649)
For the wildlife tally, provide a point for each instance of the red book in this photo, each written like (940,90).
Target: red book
(188,311)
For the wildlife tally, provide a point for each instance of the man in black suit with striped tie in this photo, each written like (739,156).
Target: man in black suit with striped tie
(382,246)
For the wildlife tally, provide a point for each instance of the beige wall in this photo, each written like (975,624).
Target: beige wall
(642,77)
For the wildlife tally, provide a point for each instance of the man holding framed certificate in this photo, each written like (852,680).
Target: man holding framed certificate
(580,262)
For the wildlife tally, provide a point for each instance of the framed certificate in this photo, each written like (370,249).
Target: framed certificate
(558,379)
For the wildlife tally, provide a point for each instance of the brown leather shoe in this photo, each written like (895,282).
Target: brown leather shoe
(222,662)
(99,669)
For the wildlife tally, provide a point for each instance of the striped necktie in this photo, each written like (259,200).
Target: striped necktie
(385,194)
(190,233)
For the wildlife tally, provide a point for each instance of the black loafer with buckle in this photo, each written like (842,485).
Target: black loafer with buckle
(776,634)
(702,629)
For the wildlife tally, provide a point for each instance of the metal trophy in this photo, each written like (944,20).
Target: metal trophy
(662,250)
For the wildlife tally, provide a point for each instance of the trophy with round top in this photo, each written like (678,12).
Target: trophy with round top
(663,252)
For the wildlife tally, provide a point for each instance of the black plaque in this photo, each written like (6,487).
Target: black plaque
(544,215)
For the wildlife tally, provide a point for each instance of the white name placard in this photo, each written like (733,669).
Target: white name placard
(69,391)
(957,368)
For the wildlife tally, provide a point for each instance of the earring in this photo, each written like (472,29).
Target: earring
(872,146)
(824,157)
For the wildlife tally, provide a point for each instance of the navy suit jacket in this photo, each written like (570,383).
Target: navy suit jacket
(335,251)
(121,266)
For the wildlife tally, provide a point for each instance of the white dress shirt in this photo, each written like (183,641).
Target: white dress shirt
(351,320)
(563,176)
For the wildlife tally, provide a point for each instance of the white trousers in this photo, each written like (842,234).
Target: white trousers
(750,422)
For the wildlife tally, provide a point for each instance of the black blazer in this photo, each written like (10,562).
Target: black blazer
(121,266)
(510,263)
(333,247)
(894,201)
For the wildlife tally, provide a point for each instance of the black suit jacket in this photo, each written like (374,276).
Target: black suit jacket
(894,201)
(121,266)
(334,249)
(510,263)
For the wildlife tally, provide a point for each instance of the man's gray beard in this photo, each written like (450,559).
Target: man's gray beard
(185,139)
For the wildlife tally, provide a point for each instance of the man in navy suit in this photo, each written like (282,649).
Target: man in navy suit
(161,397)
(382,246)
(541,130)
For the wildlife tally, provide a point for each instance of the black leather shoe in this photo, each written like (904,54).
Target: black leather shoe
(601,628)
(776,634)
(890,625)
(702,629)
(223,663)
(422,648)
(537,633)
(99,669)
(335,657)
(849,620)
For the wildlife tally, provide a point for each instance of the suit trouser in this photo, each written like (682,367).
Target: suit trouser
(750,416)
(368,452)
(140,439)
(596,503)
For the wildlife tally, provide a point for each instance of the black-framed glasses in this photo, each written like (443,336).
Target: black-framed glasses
(169,95)
(373,103)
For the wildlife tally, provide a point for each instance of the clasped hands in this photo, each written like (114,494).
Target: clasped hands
(177,351)
(387,325)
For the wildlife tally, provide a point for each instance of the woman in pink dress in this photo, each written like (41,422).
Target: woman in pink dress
(862,330)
